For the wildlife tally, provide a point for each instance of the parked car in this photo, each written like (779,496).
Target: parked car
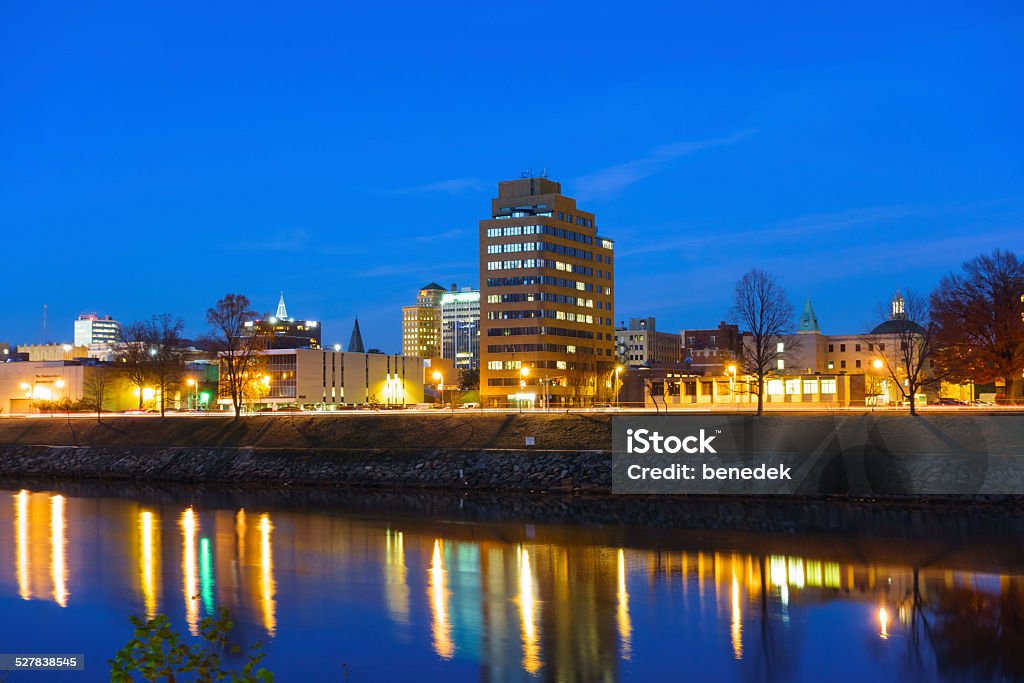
(951,402)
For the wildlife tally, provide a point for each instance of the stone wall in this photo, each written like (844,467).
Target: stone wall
(478,469)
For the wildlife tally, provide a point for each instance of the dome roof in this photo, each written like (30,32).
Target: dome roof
(897,326)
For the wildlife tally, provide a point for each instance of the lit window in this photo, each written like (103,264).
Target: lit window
(781,364)
(810,386)
(780,347)
(775,387)
(828,386)
(792,386)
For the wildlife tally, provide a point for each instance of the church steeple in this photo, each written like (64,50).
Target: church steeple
(808,321)
(282,312)
(355,343)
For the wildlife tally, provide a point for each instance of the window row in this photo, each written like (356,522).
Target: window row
(538,280)
(531,331)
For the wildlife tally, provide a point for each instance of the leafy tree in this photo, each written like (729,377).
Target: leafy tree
(157,652)
(979,316)
(237,347)
(762,309)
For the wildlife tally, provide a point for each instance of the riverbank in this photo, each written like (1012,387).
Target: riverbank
(538,453)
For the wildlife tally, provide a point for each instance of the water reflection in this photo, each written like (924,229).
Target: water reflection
(558,603)
(439,604)
(58,562)
(188,570)
(148,563)
(268,587)
(21,545)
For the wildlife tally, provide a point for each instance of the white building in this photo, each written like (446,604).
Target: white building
(460,327)
(97,333)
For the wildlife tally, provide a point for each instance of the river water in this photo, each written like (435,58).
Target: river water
(402,589)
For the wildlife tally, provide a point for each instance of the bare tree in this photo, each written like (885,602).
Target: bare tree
(237,347)
(98,385)
(979,317)
(132,352)
(166,355)
(906,343)
(762,308)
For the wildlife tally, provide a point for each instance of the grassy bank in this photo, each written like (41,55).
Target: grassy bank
(418,431)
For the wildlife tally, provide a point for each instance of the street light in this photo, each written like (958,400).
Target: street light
(732,381)
(618,369)
(524,372)
(439,378)
(195,390)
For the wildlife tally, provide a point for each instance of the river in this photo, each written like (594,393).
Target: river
(408,588)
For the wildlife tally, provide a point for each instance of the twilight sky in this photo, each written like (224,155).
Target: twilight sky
(154,158)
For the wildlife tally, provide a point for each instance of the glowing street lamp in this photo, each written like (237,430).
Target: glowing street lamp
(194,385)
(732,381)
(877,364)
(524,372)
(618,369)
(439,380)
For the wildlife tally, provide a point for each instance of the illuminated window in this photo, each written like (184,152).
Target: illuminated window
(780,347)
(810,386)
(792,387)
(828,386)
(781,364)
(775,387)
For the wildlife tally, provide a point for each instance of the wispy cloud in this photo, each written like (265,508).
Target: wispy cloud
(450,186)
(284,240)
(610,181)
(391,270)
(440,236)
(805,226)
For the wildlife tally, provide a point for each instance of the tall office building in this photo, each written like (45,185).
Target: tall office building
(421,324)
(460,327)
(96,329)
(547,333)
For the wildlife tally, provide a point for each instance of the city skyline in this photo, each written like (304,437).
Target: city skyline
(161,181)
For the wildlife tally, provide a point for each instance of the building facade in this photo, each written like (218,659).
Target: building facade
(547,333)
(460,327)
(711,351)
(421,323)
(101,330)
(329,380)
(279,331)
(641,343)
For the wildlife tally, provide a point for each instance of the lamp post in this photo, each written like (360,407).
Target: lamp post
(524,372)
(618,369)
(732,382)
(439,378)
(194,385)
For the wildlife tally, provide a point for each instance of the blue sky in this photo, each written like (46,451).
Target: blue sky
(154,158)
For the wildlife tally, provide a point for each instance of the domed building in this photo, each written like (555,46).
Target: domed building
(898,323)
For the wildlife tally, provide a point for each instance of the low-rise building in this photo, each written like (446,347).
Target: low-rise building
(53,352)
(323,379)
(32,386)
(640,343)
(711,351)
